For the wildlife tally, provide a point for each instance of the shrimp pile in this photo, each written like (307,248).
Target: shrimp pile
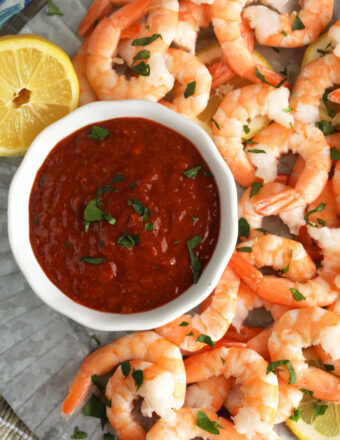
(190,369)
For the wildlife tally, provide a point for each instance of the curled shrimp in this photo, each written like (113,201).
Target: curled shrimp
(279,29)
(301,328)
(86,94)
(293,218)
(209,394)
(213,321)
(287,292)
(227,20)
(148,346)
(157,387)
(97,10)
(260,390)
(311,144)
(234,112)
(151,84)
(187,426)
(188,70)
(191,18)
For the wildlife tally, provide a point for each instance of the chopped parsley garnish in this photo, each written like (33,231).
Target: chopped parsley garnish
(246,129)
(184,324)
(195,264)
(329,367)
(206,340)
(145,41)
(216,123)
(284,33)
(319,410)
(191,172)
(108,436)
(335,154)
(190,90)
(297,295)
(331,112)
(92,260)
(273,366)
(298,24)
(255,188)
(36,221)
(287,110)
(42,181)
(190,334)
(286,269)
(256,151)
(96,339)
(133,185)
(52,9)
(243,228)
(176,241)
(148,226)
(101,244)
(326,127)
(248,141)
(140,208)
(319,208)
(98,133)
(194,219)
(142,55)
(284,72)
(142,69)
(96,381)
(93,213)
(264,231)
(223,360)
(321,222)
(157,267)
(296,415)
(203,422)
(292,127)
(206,174)
(95,407)
(78,434)
(263,79)
(67,244)
(307,392)
(125,368)
(138,377)
(100,191)
(244,249)
(128,241)
(118,178)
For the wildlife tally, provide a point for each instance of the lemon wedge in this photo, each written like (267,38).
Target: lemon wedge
(38,86)
(209,55)
(317,49)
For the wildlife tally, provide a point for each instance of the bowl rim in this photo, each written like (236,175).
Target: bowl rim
(18,215)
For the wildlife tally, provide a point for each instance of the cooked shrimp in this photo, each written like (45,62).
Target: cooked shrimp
(311,144)
(156,386)
(213,321)
(279,253)
(152,84)
(259,342)
(296,293)
(86,94)
(294,218)
(227,19)
(209,394)
(260,389)
(161,20)
(191,18)
(189,71)
(148,346)
(186,426)
(279,30)
(301,328)
(237,108)
(289,399)
(310,85)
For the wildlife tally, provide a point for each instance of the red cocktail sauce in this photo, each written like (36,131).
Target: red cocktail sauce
(112,217)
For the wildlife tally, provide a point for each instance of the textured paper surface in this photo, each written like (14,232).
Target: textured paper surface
(40,350)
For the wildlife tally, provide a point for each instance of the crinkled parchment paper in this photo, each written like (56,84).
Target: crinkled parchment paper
(40,350)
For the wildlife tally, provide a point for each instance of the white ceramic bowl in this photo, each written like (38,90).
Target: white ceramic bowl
(18,215)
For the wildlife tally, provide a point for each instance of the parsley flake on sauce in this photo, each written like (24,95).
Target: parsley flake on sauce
(190,90)
(195,264)
(148,227)
(194,219)
(191,172)
(98,133)
(128,241)
(118,178)
(93,213)
(52,9)
(78,434)
(92,260)
(203,422)
(140,208)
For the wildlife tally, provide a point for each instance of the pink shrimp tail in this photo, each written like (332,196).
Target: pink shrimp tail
(245,270)
(132,31)
(77,392)
(328,385)
(98,10)
(221,73)
(259,343)
(272,77)
(280,202)
(334,96)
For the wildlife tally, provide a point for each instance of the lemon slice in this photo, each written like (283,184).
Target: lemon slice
(38,86)
(317,49)
(209,55)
